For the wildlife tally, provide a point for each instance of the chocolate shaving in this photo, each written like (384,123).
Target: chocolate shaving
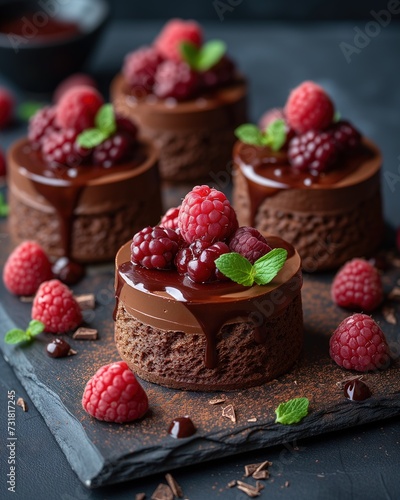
(229,412)
(22,404)
(259,486)
(72,352)
(83,333)
(248,489)
(252,419)
(287,484)
(231,484)
(389,315)
(26,298)
(250,469)
(140,496)
(343,382)
(162,492)
(86,301)
(217,401)
(394,294)
(176,489)
(260,474)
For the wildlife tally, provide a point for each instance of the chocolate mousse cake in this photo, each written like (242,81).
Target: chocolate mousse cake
(186,96)
(204,332)
(81,203)
(320,189)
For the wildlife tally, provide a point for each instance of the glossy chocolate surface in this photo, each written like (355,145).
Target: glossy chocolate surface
(356,390)
(181,427)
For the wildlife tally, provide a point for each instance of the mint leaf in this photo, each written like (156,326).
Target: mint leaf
(27,109)
(190,53)
(91,137)
(236,267)
(3,206)
(275,135)
(292,411)
(269,265)
(15,336)
(35,327)
(337,116)
(210,54)
(105,119)
(249,134)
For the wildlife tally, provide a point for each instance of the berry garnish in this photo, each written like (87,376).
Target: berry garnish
(3,168)
(274,136)
(78,107)
(170,218)
(345,135)
(126,127)
(140,67)
(55,306)
(41,125)
(271,116)
(155,247)
(206,214)
(113,394)
(175,79)
(75,80)
(292,411)
(26,268)
(112,151)
(357,285)
(314,151)
(202,269)
(309,108)
(186,254)
(6,107)
(58,348)
(175,32)
(250,243)
(61,148)
(16,336)
(359,344)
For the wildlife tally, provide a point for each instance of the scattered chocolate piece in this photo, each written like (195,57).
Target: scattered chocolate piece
(162,492)
(181,427)
(389,315)
(231,484)
(72,352)
(58,348)
(86,301)
(140,496)
(260,474)
(356,390)
(250,469)
(217,401)
(83,333)
(229,412)
(176,489)
(394,294)
(26,298)
(247,488)
(259,486)
(252,419)
(22,404)
(287,484)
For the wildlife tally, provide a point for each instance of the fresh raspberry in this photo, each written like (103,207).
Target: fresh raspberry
(6,107)
(78,107)
(206,214)
(357,285)
(126,127)
(346,136)
(112,151)
(221,73)
(175,79)
(199,261)
(155,247)
(61,148)
(113,394)
(173,34)
(271,116)
(359,344)
(55,306)
(314,151)
(140,67)
(42,124)
(26,268)
(75,80)
(250,243)
(170,218)
(3,168)
(309,107)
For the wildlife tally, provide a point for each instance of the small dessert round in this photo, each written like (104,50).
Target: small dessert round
(84,213)
(208,336)
(330,217)
(195,137)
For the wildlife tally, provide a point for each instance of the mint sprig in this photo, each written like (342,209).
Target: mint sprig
(3,206)
(16,336)
(292,411)
(105,127)
(205,57)
(237,268)
(274,136)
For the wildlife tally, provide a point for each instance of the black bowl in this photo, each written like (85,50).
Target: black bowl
(37,61)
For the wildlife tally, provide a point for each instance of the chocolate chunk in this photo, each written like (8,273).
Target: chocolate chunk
(252,419)
(86,301)
(259,485)
(217,401)
(22,404)
(83,333)
(389,315)
(58,348)
(26,299)
(250,469)
(260,474)
(394,294)
(231,484)
(176,489)
(287,484)
(162,492)
(229,412)
(140,496)
(250,490)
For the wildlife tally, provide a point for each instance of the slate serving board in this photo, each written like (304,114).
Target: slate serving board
(102,453)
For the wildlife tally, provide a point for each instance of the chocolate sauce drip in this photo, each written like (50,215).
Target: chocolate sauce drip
(68,271)
(356,390)
(58,348)
(181,427)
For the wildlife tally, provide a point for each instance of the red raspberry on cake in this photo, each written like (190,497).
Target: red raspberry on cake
(221,73)
(359,344)
(61,148)
(126,127)
(140,67)
(175,79)
(173,34)
(112,151)
(309,107)
(170,218)
(42,124)
(202,269)
(6,107)
(206,214)
(3,168)
(55,306)
(78,107)
(271,116)
(155,247)
(250,243)
(314,151)
(357,285)
(75,80)
(26,268)
(345,135)
(113,394)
